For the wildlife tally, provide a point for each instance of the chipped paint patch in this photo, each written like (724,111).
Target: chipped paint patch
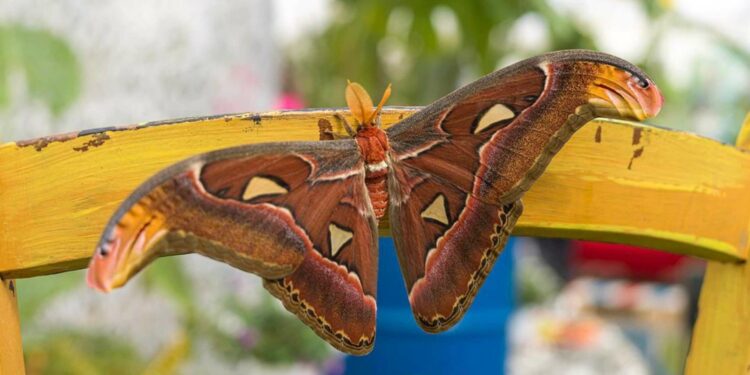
(598,135)
(636,154)
(325,130)
(40,143)
(97,140)
(257,118)
(637,135)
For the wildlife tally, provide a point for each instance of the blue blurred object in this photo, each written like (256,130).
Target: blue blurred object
(476,345)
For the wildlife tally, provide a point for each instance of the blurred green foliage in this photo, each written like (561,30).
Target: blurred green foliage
(167,275)
(266,333)
(426,48)
(270,334)
(67,350)
(39,291)
(48,64)
(70,352)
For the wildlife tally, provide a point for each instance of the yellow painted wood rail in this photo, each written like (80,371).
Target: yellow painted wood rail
(614,181)
(11,351)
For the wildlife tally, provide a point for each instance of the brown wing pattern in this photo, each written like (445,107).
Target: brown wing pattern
(268,209)
(299,214)
(479,149)
(446,258)
(333,290)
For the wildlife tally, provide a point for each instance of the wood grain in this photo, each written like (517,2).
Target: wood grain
(721,336)
(614,181)
(11,349)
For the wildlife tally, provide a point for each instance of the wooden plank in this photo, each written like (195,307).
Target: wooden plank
(614,181)
(624,182)
(721,336)
(11,349)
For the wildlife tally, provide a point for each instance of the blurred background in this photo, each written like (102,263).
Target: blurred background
(578,307)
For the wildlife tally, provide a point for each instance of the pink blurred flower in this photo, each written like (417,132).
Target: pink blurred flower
(289,100)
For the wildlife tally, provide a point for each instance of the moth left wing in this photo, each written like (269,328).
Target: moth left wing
(333,290)
(297,214)
(447,242)
(460,166)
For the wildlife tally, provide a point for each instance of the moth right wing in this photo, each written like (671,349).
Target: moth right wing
(297,214)
(460,166)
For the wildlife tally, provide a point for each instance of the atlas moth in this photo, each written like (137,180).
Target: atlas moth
(304,215)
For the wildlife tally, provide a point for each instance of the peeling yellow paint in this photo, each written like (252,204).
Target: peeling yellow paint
(11,349)
(57,200)
(685,194)
(721,343)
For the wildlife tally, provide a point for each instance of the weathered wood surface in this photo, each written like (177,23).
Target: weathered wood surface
(614,181)
(11,350)
(721,336)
